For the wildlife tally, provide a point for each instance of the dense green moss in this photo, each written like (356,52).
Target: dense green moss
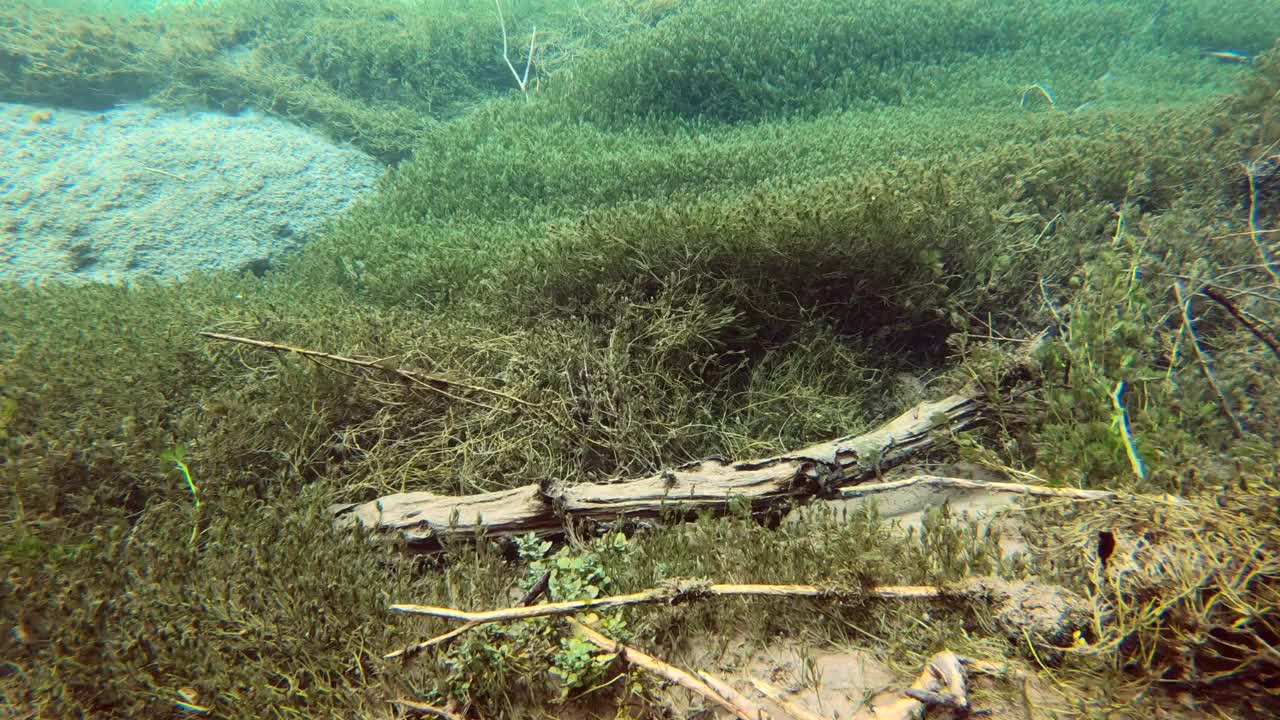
(742,61)
(379,72)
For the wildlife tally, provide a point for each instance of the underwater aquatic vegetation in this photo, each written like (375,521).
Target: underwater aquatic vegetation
(1044,92)
(521,80)
(175,456)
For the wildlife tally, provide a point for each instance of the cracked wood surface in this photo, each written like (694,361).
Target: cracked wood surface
(819,470)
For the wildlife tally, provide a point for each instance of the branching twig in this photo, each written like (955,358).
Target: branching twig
(1204,361)
(415,377)
(1121,423)
(522,81)
(670,595)
(425,709)
(1213,294)
(676,592)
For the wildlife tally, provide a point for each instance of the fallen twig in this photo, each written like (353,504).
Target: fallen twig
(731,694)
(165,173)
(939,482)
(1204,361)
(425,709)
(427,381)
(1044,92)
(669,672)
(1267,263)
(789,706)
(672,594)
(1006,604)
(522,81)
(1121,424)
(1213,294)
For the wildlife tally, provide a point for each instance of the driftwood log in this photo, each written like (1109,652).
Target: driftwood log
(817,471)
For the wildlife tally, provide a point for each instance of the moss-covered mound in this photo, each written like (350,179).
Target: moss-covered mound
(379,73)
(376,73)
(735,61)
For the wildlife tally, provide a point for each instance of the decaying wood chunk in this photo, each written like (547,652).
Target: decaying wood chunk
(709,485)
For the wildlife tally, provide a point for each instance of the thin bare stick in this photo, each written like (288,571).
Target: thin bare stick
(421,379)
(165,173)
(671,595)
(1121,423)
(1204,362)
(939,482)
(431,642)
(523,82)
(1216,296)
(674,674)
(1057,316)
(425,709)
(789,706)
(731,694)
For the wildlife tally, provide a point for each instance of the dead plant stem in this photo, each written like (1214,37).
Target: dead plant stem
(1204,361)
(666,671)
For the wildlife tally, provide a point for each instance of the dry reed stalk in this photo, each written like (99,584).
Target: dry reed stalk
(671,594)
(669,672)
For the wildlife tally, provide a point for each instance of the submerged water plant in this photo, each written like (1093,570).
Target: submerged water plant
(175,456)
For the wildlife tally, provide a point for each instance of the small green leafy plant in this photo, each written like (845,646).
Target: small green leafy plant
(515,655)
(577,576)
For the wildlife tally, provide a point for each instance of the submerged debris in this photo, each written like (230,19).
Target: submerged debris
(1259,187)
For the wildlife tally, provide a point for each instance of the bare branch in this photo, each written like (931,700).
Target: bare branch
(666,671)
(672,594)
(522,81)
(939,482)
(425,709)
(1204,361)
(434,383)
(1213,294)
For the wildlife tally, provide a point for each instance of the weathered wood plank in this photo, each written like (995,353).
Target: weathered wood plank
(708,485)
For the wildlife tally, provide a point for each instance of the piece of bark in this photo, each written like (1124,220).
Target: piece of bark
(425,518)
(942,683)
